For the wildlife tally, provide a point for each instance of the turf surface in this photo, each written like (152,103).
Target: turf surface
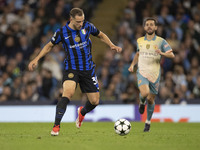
(99,136)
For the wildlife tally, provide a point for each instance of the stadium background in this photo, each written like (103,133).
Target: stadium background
(27,25)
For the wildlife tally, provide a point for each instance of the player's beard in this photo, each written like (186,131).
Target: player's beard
(77,28)
(150,33)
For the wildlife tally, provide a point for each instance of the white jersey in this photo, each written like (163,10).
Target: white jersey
(149,60)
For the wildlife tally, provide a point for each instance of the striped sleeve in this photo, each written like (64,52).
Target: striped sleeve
(56,37)
(93,30)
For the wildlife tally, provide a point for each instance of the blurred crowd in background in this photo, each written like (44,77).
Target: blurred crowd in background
(27,25)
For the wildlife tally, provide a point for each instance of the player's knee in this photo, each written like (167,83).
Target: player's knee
(68,94)
(144,93)
(95,101)
(150,100)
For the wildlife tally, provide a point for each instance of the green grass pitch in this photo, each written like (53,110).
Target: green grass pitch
(99,136)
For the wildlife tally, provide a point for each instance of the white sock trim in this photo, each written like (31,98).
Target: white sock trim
(142,102)
(148,122)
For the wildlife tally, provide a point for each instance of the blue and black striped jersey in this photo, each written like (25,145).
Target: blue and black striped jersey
(77,45)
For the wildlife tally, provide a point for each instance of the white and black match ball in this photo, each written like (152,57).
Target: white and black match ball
(122,126)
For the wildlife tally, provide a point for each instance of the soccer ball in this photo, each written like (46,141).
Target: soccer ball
(122,126)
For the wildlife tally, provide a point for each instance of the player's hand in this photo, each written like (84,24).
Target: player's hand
(131,68)
(32,65)
(116,48)
(159,51)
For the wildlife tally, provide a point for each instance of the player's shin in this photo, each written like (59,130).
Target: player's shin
(150,110)
(87,108)
(60,109)
(142,99)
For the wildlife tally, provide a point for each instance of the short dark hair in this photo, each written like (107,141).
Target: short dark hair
(150,18)
(76,11)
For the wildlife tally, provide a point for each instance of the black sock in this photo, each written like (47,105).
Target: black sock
(60,109)
(87,108)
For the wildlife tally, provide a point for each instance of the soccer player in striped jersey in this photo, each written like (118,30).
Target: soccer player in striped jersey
(150,48)
(79,67)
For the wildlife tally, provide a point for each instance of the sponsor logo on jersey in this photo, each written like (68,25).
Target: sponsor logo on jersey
(67,37)
(155,47)
(80,45)
(148,46)
(70,75)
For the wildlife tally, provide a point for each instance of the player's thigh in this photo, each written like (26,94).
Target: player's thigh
(144,90)
(88,82)
(154,86)
(93,98)
(153,91)
(70,80)
(143,85)
(69,87)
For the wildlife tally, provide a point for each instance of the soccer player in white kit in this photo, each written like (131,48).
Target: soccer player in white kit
(150,48)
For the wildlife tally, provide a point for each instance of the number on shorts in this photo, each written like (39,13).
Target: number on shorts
(95,80)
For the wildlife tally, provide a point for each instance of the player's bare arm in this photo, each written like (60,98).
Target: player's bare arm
(47,48)
(134,62)
(169,54)
(106,40)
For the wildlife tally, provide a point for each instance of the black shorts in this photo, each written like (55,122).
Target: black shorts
(87,79)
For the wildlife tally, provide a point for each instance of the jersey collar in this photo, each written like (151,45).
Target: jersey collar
(154,38)
(67,25)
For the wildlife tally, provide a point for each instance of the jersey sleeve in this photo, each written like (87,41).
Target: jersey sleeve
(165,47)
(56,37)
(93,30)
